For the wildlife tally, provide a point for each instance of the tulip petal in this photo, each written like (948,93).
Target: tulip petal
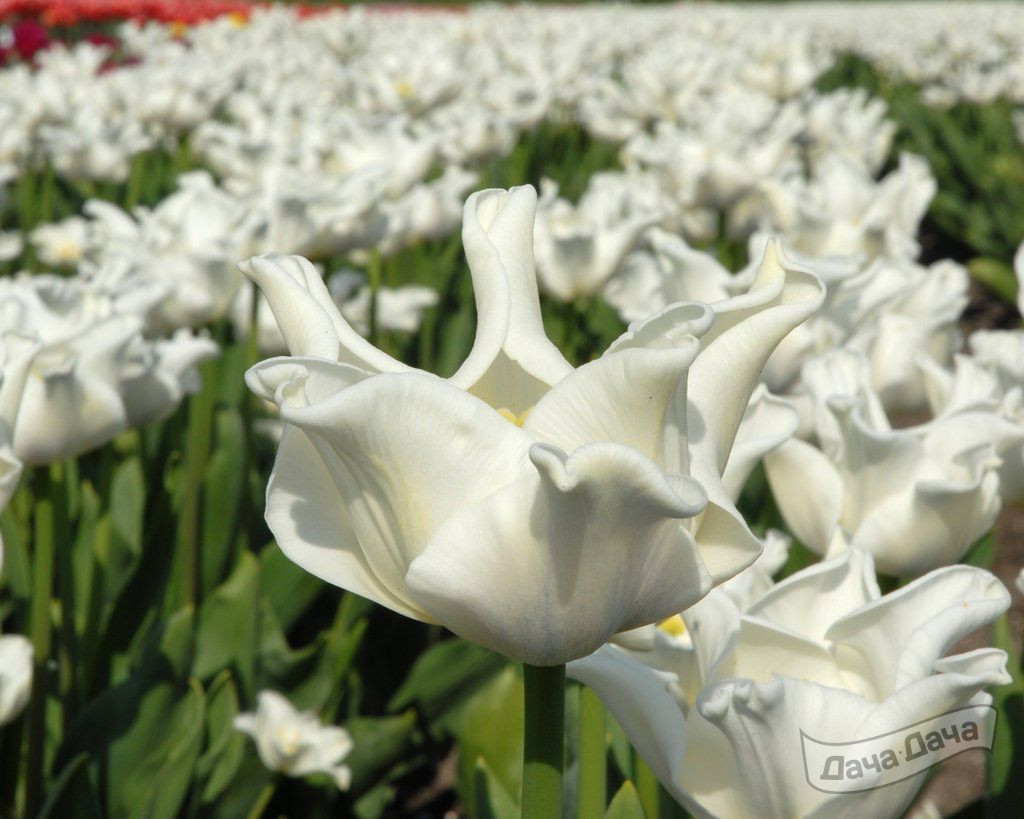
(745,331)
(307,514)
(512,363)
(762,723)
(71,400)
(898,638)
(404,451)
(638,699)
(763,649)
(808,491)
(768,423)
(809,602)
(934,526)
(308,318)
(622,397)
(669,327)
(550,567)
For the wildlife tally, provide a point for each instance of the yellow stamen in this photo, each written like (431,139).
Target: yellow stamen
(674,625)
(510,416)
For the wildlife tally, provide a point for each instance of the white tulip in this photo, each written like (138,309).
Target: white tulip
(630,448)
(15,676)
(915,498)
(719,706)
(580,248)
(846,211)
(296,743)
(11,244)
(972,399)
(77,370)
(61,243)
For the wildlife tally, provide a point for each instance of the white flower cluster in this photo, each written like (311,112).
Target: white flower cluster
(354,136)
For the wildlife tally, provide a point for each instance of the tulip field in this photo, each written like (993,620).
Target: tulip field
(593,411)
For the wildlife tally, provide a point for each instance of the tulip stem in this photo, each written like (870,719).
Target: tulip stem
(198,439)
(42,631)
(259,807)
(593,763)
(374,276)
(544,743)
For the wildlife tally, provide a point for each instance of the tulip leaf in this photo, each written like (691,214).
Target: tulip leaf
(72,793)
(444,675)
(490,798)
(228,619)
(1006,764)
(982,552)
(16,576)
(621,751)
(145,723)
(489,725)
(83,556)
(289,589)
(374,803)
(225,746)
(625,804)
(123,549)
(378,743)
(173,761)
(223,486)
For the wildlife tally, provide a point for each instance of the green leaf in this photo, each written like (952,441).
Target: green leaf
(982,552)
(223,486)
(378,743)
(143,730)
(72,793)
(625,804)
(173,762)
(373,803)
(17,574)
(228,620)
(444,675)
(489,725)
(491,800)
(996,275)
(1006,764)
(225,746)
(289,589)
(122,551)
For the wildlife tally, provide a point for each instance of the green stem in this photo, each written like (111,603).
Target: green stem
(544,743)
(648,789)
(198,438)
(259,807)
(374,275)
(134,186)
(593,787)
(47,195)
(42,630)
(70,650)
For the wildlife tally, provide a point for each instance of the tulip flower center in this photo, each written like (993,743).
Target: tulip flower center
(288,739)
(519,419)
(674,625)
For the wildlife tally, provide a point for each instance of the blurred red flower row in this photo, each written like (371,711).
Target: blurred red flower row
(72,12)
